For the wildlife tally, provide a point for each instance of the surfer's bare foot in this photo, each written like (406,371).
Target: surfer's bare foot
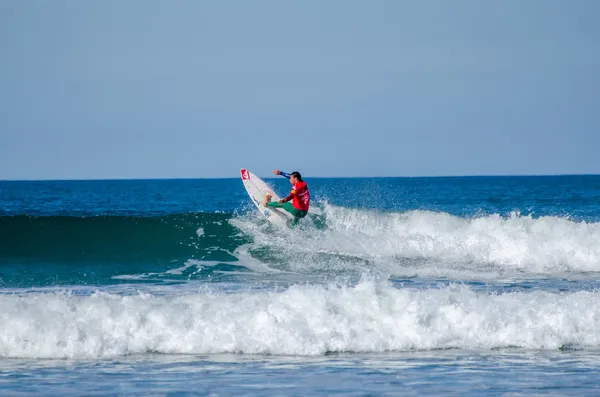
(267,199)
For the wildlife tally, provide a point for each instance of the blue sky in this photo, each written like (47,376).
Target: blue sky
(199,89)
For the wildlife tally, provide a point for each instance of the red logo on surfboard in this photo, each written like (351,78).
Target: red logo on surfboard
(245,175)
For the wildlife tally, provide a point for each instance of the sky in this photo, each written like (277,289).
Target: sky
(199,89)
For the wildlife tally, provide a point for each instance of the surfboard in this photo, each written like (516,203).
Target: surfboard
(257,190)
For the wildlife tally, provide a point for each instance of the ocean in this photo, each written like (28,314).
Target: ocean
(483,286)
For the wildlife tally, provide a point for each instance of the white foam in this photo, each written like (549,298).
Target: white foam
(425,243)
(302,320)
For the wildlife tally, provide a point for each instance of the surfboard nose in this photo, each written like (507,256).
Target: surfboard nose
(245,174)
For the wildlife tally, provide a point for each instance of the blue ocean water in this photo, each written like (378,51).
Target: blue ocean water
(392,286)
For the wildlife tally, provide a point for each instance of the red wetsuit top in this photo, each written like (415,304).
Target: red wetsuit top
(300,195)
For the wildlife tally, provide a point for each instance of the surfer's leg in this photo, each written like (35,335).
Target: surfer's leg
(298,214)
(290,208)
(273,204)
(294,221)
(286,206)
(297,217)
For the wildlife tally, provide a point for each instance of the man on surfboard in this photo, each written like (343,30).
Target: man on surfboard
(299,195)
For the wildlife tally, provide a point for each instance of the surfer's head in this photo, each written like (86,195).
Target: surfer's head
(295,177)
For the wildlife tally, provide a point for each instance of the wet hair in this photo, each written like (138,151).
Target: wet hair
(297,175)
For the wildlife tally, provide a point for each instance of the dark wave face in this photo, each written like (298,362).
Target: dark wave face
(76,250)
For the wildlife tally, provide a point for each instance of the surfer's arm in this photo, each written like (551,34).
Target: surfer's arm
(277,172)
(289,197)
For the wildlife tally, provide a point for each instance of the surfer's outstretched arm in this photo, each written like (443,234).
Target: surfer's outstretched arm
(277,172)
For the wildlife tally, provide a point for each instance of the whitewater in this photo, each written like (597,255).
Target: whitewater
(303,320)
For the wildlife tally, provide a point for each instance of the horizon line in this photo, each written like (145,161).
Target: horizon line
(310,177)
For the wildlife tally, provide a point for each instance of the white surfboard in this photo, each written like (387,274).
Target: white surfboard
(257,190)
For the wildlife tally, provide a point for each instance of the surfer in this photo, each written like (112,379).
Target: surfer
(299,195)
